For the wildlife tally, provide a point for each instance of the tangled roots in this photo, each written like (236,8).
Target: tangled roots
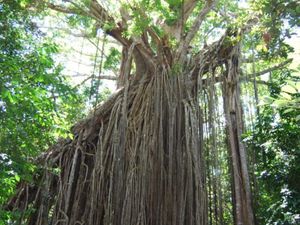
(136,160)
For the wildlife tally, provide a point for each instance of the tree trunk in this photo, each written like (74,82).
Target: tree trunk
(243,213)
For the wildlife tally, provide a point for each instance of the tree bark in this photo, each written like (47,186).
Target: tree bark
(243,213)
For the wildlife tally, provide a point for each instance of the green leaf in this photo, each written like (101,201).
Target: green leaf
(289,89)
(288,110)
(17,178)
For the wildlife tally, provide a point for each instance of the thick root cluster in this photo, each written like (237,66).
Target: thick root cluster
(136,160)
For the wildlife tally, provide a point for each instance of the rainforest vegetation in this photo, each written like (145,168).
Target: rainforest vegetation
(171,112)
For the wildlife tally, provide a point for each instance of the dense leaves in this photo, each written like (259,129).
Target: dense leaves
(275,142)
(36,102)
(278,20)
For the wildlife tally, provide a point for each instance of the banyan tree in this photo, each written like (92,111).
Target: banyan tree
(149,154)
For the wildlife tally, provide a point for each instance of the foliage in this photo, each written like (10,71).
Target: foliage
(278,18)
(276,144)
(36,103)
(112,59)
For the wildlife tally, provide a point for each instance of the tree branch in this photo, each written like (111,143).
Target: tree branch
(176,29)
(182,50)
(188,8)
(106,77)
(100,13)
(249,60)
(64,9)
(249,77)
(270,69)
(101,77)
(97,12)
(260,82)
(219,51)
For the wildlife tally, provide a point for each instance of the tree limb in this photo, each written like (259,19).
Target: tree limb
(64,9)
(100,12)
(249,77)
(175,30)
(249,60)
(182,50)
(100,77)
(270,69)
(188,8)
(106,77)
(219,51)
(260,82)
(97,12)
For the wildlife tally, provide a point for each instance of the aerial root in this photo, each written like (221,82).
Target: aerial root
(138,160)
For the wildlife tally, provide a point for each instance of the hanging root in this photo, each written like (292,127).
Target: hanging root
(136,160)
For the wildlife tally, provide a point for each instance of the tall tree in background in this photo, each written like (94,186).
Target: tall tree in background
(141,157)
